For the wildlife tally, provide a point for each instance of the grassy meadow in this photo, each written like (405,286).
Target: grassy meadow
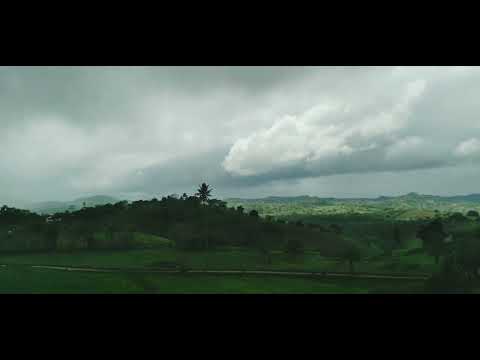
(19,277)
(42,281)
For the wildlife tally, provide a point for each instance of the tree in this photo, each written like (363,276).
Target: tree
(336,228)
(51,236)
(351,254)
(467,255)
(253,213)
(204,192)
(294,246)
(218,203)
(299,223)
(473,213)
(262,245)
(457,217)
(396,236)
(433,236)
(388,246)
(450,279)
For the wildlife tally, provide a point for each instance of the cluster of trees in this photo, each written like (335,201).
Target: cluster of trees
(21,230)
(433,237)
(194,222)
(457,253)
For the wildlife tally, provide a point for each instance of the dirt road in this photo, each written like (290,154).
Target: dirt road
(228,272)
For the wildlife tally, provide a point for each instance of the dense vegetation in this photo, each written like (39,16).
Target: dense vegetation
(198,231)
(192,222)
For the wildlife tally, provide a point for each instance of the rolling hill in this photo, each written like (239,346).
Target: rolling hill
(404,207)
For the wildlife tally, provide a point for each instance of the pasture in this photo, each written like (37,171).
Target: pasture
(22,280)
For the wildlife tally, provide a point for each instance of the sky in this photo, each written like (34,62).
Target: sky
(144,132)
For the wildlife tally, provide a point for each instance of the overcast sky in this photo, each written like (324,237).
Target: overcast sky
(137,132)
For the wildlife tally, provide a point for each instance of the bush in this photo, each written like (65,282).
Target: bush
(473,213)
(457,217)
(450,279)
(294,246)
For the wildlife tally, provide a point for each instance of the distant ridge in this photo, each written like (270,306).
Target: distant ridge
(410,196)
(50,207)
(96,199)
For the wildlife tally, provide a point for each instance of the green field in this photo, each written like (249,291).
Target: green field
(19,277)
(241,259)
(51,281)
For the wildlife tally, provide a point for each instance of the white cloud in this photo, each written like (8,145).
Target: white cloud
(327,131)
(467,148)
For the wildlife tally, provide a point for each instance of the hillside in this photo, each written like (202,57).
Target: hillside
(405,207)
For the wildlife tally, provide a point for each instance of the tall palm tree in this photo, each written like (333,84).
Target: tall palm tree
(203,192)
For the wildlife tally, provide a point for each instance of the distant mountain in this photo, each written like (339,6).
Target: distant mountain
(95,200)
(50,207)
(465,198)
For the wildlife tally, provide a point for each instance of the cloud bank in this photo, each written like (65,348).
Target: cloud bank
(145,131)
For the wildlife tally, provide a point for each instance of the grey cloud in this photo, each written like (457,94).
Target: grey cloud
(69,131)
(368,138)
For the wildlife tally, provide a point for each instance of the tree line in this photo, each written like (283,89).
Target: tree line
(194,222)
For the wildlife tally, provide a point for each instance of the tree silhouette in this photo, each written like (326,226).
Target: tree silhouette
(468,256)
(351,254)
(204,192)
(336,228)
(294,246)
(396,236)
(473,213)
(432,236)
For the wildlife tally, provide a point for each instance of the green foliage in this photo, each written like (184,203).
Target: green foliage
(351,253)
(433,237)
(204,192)
(466,252)
(201,232)
(21,281)
(294,246)
(473,213)
(253,213)
(450,279)
(457,217)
